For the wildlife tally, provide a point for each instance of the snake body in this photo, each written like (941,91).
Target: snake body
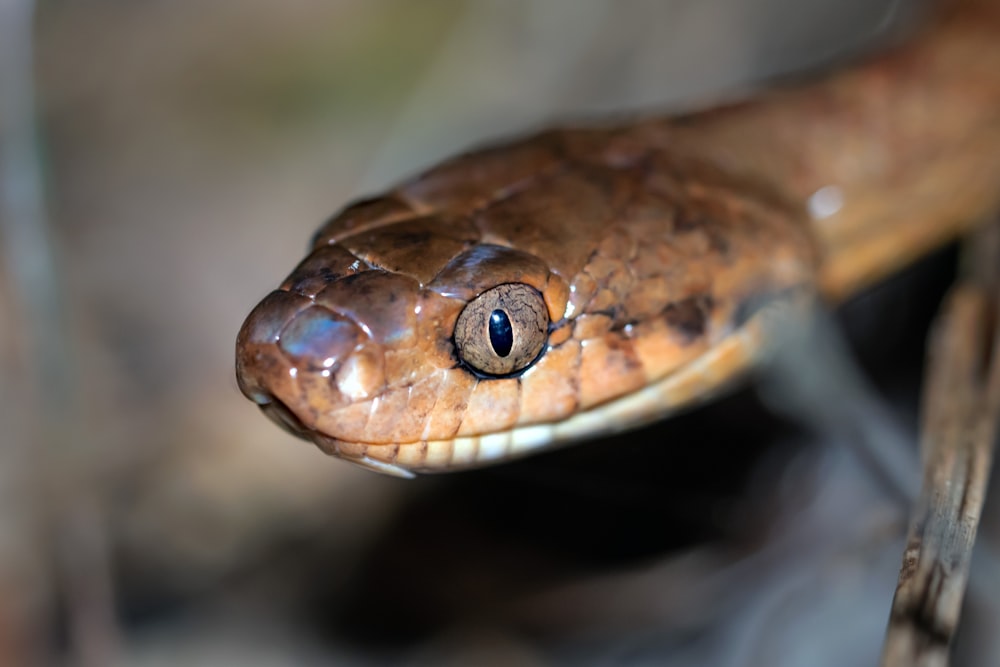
(586,280)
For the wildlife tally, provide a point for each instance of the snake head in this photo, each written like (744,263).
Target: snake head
(514,298)
(363,359)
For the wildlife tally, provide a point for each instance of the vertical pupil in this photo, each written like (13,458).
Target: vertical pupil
(501,335)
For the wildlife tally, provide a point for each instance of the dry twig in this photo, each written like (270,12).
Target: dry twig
(961,413)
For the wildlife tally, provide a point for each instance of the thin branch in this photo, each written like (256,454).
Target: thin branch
(961,414)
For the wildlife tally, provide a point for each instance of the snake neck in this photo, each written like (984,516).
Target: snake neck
(891,157)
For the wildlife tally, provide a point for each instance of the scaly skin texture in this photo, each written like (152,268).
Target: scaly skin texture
(660,250)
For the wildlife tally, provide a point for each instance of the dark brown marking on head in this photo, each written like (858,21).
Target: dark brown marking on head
(719,244)
(688,221)
(689,317)
(692,221)
(624,352)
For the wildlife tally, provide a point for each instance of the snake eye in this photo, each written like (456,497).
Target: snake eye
(502,330)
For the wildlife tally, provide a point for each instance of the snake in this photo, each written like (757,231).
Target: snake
(589,279)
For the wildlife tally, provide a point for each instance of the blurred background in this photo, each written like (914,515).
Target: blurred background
(185,151)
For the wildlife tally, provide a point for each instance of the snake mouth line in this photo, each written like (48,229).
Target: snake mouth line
(281,414)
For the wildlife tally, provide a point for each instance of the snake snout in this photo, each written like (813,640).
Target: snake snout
(298,360)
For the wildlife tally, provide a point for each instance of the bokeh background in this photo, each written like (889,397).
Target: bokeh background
(150,516)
